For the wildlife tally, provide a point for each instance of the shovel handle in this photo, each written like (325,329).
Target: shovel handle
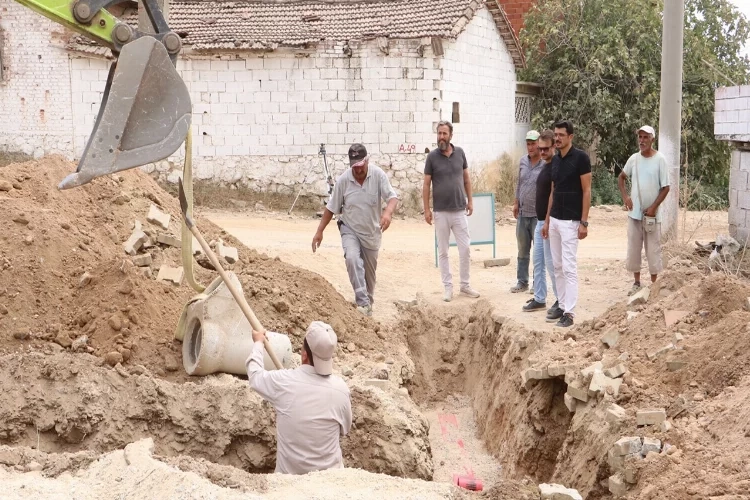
(249,314)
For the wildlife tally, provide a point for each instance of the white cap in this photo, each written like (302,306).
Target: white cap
(648,129)
(322,341)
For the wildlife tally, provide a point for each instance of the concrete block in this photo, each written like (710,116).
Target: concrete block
(616,371)
(552,491)
(674,317)
(169,240)
(589,371)
(650,417)
(627,446)
(617,486)
(639,298)
(559,370)
(611,337)
(601,383)
(570,402)
(536,373)
(135,242)
(173,274)
(229,254)
(616,414)
(156,216)
(677,338)
(630,472)
(142,260)
(650,444)
(663,350)
(616,462)
(496,262)
(374,382)
(580,393)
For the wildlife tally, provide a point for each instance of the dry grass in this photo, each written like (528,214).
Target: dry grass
(499,177)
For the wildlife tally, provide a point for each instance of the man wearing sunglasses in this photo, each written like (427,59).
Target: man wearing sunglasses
(357,197)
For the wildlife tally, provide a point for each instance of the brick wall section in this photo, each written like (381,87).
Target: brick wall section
(732,123)
(516,10)
(478,74)
(35,110)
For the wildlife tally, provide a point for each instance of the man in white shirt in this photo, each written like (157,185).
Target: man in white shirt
(313,407)
(649,188)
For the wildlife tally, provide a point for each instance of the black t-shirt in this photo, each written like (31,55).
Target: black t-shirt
(543,189)
(567,200)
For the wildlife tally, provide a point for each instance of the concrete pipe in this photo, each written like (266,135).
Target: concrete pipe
(217,337)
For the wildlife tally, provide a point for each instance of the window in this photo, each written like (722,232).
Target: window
(523,109)
(456,116)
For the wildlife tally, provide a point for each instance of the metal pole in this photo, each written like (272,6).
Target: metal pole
(670,108)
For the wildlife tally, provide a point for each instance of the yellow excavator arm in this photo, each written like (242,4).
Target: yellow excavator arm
(145,112)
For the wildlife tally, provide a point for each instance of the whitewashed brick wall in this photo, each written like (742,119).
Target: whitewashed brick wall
(732,113)
(478,73)
(35,111)
(258,120)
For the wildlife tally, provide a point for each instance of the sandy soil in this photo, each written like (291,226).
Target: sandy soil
(406,266)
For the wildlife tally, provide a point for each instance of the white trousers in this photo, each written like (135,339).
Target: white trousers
(563,241)
(445,222)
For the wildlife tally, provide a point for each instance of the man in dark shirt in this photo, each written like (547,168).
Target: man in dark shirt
(542,252)
(446,171)
(567,216)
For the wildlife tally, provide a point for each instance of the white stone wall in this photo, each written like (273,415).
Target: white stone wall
(35,110)
(732,123)
(478,73)
(259,119)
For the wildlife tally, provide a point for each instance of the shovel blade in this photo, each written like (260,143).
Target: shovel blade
(144,116)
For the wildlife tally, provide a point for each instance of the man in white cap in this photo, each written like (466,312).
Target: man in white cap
(313,407)
(524,211)
(649,188)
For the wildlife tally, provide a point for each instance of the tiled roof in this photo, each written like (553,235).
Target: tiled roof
(206,25)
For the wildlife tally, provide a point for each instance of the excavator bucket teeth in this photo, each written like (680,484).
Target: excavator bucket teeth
(144,116)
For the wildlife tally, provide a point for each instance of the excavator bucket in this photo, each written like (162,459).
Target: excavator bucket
(144,116)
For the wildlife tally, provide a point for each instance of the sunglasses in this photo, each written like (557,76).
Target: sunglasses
(544,150)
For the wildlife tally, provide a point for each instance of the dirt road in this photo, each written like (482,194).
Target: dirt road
(406,266)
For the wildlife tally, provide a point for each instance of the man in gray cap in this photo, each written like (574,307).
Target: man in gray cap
(358,196)
(313,407)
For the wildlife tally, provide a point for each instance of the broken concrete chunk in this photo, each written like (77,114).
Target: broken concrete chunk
(580,393)
(674,317)
(650,417)
(655,354)
(650,444)
(570,402)
(627,446)
(559,370)
(496,262)
(611,338)
(142,260)
(173,274)
(616,413)
(617,486)
(616,371)
(632,315)
(536,374)
(229,254)
(375,382)
(665,426)
(641,297)
(600,383)
(156,216)
(558,492)
(135,242)
(616,462)
(678,338)
(588,372)
(169,240)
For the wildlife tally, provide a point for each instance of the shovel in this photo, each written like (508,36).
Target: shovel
(215,262)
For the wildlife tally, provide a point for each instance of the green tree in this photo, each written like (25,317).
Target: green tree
(599,64)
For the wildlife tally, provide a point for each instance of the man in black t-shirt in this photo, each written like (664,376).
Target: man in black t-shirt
(567,216)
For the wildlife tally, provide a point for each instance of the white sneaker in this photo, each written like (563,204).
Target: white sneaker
(366,310)
(448,294)
(470,292)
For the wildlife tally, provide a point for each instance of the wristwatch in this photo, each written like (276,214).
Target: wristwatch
(584,223)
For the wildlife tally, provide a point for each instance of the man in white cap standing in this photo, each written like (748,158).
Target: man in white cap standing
(313,407)
(649,187)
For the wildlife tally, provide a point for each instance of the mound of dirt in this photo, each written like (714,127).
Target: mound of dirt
(65,277)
